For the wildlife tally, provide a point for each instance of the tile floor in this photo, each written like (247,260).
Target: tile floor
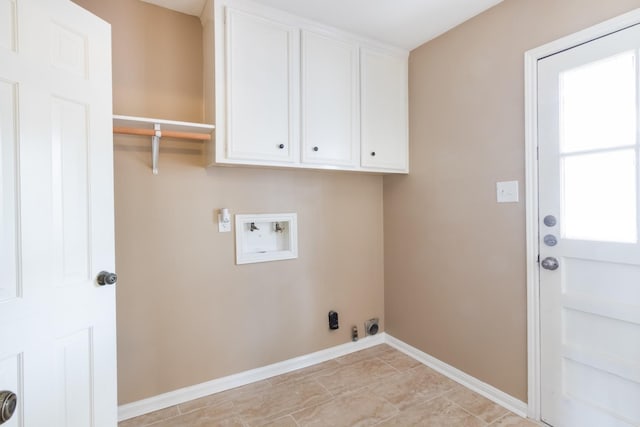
(379,386)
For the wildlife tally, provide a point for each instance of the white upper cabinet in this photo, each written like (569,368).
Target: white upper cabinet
(330,102)
(384,111)
(290,92)
(262,81)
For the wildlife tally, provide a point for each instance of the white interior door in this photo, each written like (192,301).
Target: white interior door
(57,325)
(588,221)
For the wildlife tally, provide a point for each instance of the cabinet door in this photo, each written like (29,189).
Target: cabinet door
(384,111)
(330,104)
(262,81)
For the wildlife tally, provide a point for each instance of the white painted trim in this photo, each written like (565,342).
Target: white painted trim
(533,272)
(501,398)
(186,394)
(531,59)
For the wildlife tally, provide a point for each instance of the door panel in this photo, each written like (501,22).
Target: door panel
(7,24)
(57,326)
(68,50)
(604,281)
(70,190)
(588,181)
(8,206)
(598,388)
(74,382)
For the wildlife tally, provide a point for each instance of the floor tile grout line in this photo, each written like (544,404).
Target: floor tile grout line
(467,411)
(207,406)
(428,399)
(306,377)
(509,413)
(499,418)
(360,388)
(387,419)
(324,387)
(311,407)
(298,408)
(357,389)
(160,421)
(492,403)
(388,364)
(396,407)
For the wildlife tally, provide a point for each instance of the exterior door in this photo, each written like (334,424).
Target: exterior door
(57,325)
(588,221)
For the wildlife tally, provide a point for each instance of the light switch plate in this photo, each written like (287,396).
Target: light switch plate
(507,191)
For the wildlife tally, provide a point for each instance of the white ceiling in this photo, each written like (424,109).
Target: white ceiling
(403,23)
(190,7)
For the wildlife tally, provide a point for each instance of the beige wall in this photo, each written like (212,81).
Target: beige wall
(455,259)
(186,313)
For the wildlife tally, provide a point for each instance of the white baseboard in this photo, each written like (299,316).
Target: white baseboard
(165,400)
(186,394)
(501,398)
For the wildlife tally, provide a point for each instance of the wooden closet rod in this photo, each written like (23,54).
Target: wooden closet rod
(165,133)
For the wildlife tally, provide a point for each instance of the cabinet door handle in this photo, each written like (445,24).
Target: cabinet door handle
(281,146)
(373,154)
(315,148)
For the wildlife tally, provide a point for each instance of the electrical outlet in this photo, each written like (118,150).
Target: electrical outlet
(333,320)
(224,221)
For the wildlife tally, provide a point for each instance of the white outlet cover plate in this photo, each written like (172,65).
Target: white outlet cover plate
(507,192)
(223,227)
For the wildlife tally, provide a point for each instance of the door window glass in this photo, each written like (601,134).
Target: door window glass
(600,196)
(598,150)
(598,104)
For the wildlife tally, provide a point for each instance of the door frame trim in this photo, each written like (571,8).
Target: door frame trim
(531,59)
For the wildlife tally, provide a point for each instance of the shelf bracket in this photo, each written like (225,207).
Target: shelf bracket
(155,147)
(159,128)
